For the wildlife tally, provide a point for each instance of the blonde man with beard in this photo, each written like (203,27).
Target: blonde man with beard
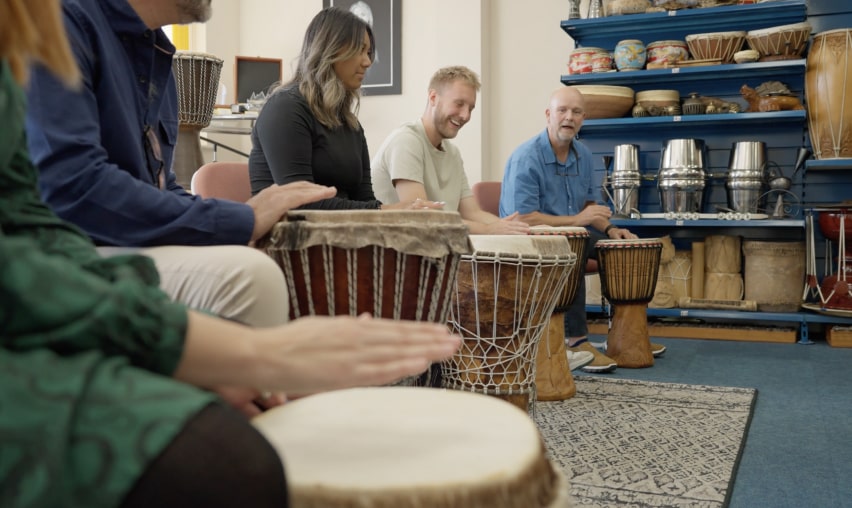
(417,160)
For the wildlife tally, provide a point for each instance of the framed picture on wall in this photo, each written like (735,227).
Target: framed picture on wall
(384,16)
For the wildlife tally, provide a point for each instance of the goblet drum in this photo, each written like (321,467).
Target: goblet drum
(197,80)
(628,270)
(553,378)
(389,264)
(411,448)
(504,294)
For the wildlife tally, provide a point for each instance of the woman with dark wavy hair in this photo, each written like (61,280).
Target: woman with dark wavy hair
(309,129)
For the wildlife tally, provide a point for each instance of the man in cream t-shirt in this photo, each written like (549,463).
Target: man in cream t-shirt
(417,161)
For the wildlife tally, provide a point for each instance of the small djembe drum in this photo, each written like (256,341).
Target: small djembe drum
(628,271)
(411,448)
(504,294)
(553,378)
(197,79)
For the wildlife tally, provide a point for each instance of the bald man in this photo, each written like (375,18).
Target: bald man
(550,180)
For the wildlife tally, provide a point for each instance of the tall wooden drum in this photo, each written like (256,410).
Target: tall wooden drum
(628,270)
(411,448)
(197,79)
(504,294)
(553,378)
(828,90)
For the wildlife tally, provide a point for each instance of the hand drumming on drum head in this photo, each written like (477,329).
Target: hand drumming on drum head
(415,204)
(310,354)
(273,202)
(509,225)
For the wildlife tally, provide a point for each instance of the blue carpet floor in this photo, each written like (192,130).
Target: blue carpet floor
(799,448)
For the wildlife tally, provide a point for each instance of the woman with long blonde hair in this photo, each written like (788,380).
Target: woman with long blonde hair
(309,129)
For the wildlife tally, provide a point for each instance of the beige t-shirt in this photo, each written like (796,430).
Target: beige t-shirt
(407,154)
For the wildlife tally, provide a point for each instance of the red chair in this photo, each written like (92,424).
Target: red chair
(223,180)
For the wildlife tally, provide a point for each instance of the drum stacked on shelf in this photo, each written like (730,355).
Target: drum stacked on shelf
(505,292)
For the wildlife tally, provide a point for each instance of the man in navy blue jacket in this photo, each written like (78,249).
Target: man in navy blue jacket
(105,153)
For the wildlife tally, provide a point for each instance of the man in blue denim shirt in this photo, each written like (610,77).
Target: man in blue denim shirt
(550,180)
(105,152)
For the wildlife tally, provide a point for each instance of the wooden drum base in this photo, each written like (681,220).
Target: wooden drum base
(553,378)
(627,342)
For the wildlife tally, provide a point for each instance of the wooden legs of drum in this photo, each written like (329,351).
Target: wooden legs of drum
(553,378)
(188,157)
(628,342)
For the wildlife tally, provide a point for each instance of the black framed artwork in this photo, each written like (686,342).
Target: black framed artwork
(385,17)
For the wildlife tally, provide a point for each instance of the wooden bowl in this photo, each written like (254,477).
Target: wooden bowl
(715,45)
(606,101)
(785,42)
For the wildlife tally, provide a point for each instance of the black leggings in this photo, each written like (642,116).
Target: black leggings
(218,459)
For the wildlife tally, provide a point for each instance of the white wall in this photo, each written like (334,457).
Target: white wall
(517,47)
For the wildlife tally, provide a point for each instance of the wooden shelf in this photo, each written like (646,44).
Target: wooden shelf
(605,32)
(706,80)
(828,164)
(728,120)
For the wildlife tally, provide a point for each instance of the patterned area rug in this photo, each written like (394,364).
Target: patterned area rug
(642,444)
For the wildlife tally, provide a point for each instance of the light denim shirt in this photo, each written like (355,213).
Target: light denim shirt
(535,181)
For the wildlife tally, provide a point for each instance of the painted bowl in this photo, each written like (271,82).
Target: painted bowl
(667,52)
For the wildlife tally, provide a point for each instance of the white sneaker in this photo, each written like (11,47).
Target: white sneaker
(579,359)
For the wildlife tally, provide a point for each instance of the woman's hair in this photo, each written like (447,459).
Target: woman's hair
(32,30)
(333,35)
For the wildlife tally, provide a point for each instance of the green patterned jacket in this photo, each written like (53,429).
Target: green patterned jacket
(87,347)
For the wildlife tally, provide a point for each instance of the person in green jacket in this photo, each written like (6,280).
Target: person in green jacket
(110,393)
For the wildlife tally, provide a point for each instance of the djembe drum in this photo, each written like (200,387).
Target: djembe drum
(197,79)
(553,378)
(390,264)
(828,90)
(628,271)
(504,294)
(411,448)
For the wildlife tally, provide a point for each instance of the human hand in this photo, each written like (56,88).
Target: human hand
(621,233)
(249,401)
(509,225)
(593,214)
(415,204)
(319,353)
(273,202)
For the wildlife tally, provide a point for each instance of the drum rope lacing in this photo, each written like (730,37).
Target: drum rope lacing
(498,364)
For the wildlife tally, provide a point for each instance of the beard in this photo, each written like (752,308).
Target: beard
(194,11)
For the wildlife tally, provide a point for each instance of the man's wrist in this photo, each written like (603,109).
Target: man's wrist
(609,228)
